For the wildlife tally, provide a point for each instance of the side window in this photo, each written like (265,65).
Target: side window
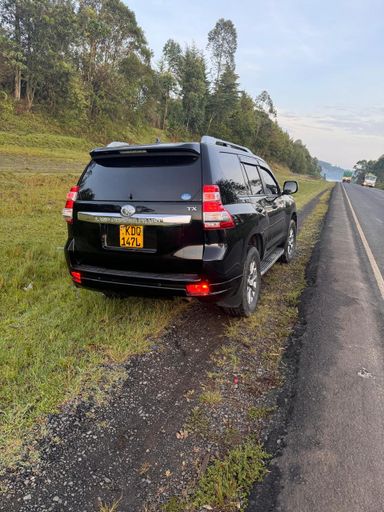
(231,179)
(270,183)
(254,179)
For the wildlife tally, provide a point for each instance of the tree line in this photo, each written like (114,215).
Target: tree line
(88,63)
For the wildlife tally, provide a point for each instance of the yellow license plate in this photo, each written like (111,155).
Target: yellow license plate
(132,237)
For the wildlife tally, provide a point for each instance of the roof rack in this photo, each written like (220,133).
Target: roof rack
(207,139)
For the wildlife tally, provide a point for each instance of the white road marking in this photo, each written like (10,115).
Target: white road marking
(371,258)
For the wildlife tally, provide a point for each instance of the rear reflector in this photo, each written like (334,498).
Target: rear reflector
(76,277)
(215,216)
(198,289)
(68,209)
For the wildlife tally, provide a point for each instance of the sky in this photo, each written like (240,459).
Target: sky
(322,62)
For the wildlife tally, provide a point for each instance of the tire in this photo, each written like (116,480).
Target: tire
(249,287)
(290,243)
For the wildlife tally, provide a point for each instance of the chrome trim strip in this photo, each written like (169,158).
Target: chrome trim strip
(138,218)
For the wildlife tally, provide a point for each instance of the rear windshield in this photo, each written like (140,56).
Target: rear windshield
(166,177)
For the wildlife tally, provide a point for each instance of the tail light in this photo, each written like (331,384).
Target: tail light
(68,209)
(76,277)
(215,216)
(198,289)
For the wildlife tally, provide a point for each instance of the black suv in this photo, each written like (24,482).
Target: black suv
(201,219)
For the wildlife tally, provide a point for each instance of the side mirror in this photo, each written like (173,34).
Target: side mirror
(290,187)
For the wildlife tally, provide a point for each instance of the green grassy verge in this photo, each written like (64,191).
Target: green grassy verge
(253,353)
(37,143)
(53,336)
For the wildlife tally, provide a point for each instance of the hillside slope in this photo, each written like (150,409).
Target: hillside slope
(34,143)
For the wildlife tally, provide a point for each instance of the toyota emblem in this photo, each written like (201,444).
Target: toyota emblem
(128,210)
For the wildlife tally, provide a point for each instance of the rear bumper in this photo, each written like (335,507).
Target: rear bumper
(148,283)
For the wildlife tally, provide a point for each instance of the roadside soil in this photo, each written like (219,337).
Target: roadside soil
(133,448)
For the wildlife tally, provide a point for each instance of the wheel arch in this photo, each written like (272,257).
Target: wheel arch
(256,240)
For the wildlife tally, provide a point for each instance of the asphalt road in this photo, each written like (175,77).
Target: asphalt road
(368,204)
(333,460)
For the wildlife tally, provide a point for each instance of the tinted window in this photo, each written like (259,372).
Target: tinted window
(270,183)
(254,179)
(231,179)
(142,178)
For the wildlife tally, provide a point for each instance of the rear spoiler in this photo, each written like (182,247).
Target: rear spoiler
(150,149)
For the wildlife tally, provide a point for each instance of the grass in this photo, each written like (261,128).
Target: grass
(226,483)
(37,143)
(54,337)
(211,397)
(259,413)
(109,508)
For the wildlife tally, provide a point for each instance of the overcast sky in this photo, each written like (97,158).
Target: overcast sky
(321,61)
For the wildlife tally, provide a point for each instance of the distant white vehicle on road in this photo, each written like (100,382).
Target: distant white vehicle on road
(369,180)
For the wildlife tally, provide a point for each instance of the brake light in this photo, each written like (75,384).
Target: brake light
(68,209)
(198,289)
(76,277)
(215,216)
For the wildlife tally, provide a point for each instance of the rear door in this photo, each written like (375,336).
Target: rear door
(141,210)
(258,196)
(275,206)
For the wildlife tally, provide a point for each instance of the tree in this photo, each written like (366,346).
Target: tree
(10,65)
(108,34)
(264,103)
(244,124)
(194,89)
(222,43)
(361,168)
(138,80)
(223,103)
(169,76)
(172,59)
(41,32)
(10,14)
